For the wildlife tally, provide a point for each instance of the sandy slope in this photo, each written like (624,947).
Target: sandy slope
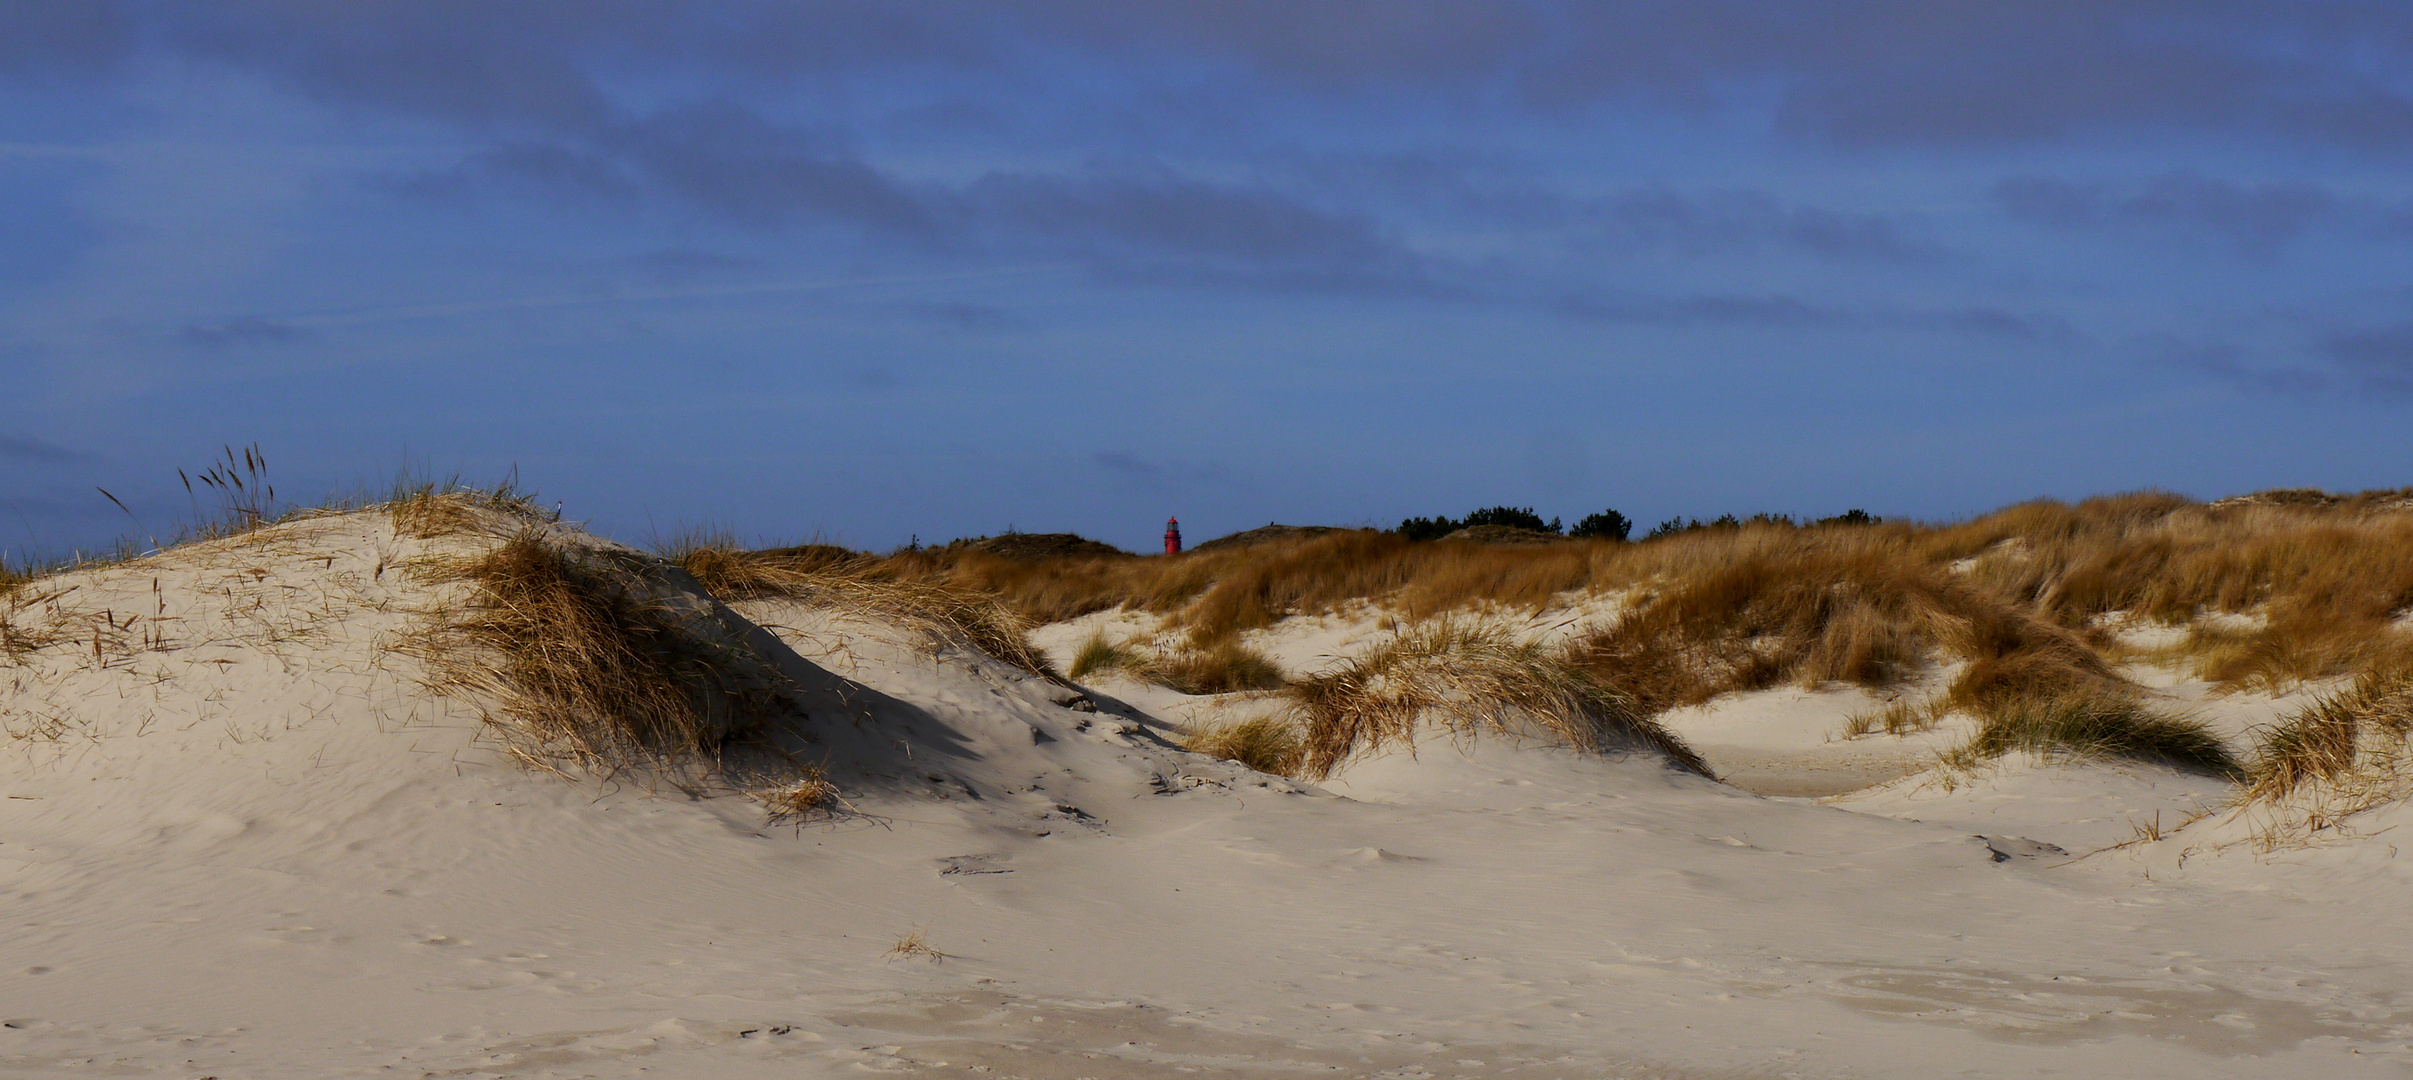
(254,846)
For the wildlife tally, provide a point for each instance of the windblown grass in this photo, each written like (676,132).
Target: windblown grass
(425,510)
(1215,667)
(2355,738)
(585,664)
(2093,724)
(822,575)
(1467,680)
(2329,577)
(2344,754)
(1267,744)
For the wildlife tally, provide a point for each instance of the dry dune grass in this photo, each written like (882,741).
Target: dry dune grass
(1218,592)
(2344,754)
(915,945)
(1901,716)
(2355,736)
(1100,655)
(587,667)
(1267,744)
(2327,581)
(824,575)
(1865,606)
(24,631)
(1469,680)
(2015,592)
(1221,666)
(425,510)
(2275,589)
(807,795)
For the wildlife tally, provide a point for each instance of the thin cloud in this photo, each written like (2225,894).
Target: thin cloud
(739,166)
(1747,311)
(2258,219)
(969,317)
(1642,217)
(35,450)
(1777,311)
(1662,218)
(2231,364)
(245,330)
(2380,358)
(1858,72)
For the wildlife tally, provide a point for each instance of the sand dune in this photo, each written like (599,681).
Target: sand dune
(245,836)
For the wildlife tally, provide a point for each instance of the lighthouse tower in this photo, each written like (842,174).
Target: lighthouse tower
(1172,536)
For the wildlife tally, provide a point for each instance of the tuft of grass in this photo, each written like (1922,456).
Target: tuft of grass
(1097,654)
(1898,717)
(2093,724)
(1214,667)
(1223,667)
(1467,679)
(589,667)
(809,795)
(915,945)
(429,509)
(239,484)
(2361,730)
(1267,744)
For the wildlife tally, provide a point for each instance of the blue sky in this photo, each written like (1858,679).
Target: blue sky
(868,271)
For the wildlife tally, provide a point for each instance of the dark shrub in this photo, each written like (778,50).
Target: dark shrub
(1671,527)
(1607,525)
(1515,517)
(1432,528)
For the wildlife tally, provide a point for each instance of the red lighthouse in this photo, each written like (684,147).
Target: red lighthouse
(1172,536)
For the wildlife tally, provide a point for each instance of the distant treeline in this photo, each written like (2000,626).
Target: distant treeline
(1609,524)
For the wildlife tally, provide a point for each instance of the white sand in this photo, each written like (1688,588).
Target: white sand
(260,849)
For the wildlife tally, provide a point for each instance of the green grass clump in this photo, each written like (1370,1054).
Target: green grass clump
(1097,655)
(2094,724)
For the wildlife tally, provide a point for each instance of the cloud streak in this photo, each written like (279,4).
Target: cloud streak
(1857,72)
(1782,312)
(242,331)
(2380,358)
(2258,219)
(38,452)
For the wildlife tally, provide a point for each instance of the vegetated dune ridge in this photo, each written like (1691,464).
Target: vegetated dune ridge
(296,802)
